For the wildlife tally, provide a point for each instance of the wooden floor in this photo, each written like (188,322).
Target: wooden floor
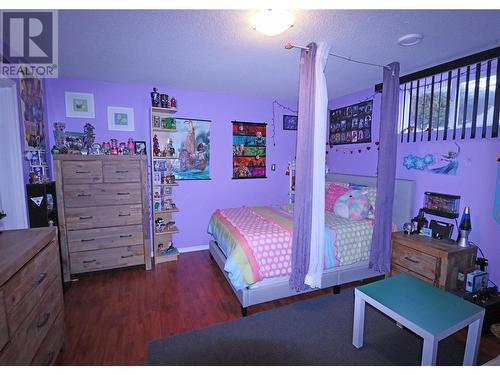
(110,316)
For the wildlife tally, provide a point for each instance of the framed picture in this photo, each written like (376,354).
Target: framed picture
(249,150)
(140,147)
(351,124)
(121,119)
(79,104)
(290,122)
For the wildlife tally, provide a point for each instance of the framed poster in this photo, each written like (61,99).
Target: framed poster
(351,124)
(290,122)
(192,144)
(79,104)
(121,119)
(32,112)
(249,150)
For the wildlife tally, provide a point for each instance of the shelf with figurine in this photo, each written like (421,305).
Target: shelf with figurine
(163,156)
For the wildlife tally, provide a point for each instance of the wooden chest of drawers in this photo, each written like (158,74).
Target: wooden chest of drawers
(31,297)
(103,212)
(435,261)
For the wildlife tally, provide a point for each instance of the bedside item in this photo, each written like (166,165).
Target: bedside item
(103,212)
(407,228)
(464,228)
(426,232)
(441,230)
(419,222)
(477,281)
(31,297)
(173,103)
(42,204)
(164,103)
(437,262)
(444,205)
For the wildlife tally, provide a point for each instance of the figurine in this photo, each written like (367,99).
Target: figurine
(131,146)
(155,98)
(170,226)
(122,149)
(160,225)
(164,100)
(173,102)
(96,149)
(59,134)
(114,146)
(54,150)
(156,146)
(88,136)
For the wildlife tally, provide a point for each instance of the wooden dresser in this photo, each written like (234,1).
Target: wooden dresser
(31,297)
(437,262)
(103,208)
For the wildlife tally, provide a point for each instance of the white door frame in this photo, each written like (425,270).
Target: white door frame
(12,187)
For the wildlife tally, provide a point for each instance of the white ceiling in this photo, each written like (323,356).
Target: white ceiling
(216,50)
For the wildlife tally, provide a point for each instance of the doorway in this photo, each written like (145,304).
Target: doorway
(12,188)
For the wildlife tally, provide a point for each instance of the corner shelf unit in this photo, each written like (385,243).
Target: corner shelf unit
(161,190)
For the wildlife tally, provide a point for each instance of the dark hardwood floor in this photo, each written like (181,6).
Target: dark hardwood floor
(110,316)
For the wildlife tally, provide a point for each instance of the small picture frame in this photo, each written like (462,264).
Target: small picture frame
(121,119)
(290,122)
(140,147)
(79,104)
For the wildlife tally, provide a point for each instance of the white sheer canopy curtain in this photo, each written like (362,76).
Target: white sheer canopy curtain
(316,255)
(309,206)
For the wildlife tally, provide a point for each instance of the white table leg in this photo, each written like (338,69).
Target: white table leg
(359,322)
(429,352)
(472,345)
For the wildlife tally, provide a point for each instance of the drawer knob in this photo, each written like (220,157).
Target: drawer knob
(85,217)
(123,193)
(121,171)
(127,256)
(80,172)
(412,260)
(84,195)
(125,235)
(42,277)
(87,239)
(124,214)
(43,320)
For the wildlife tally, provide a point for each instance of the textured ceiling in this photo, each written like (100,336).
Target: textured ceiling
(216,50)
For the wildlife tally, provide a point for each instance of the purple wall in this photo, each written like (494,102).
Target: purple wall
(196,200)
(474,182)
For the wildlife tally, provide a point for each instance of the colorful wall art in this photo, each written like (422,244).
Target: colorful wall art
(79,104)
(121,119)
(351,124)
(441,164)
(249,150)
(32,108)
(496,205)
(192,144)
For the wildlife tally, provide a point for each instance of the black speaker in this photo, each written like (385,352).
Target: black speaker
(42,204)
(440,229)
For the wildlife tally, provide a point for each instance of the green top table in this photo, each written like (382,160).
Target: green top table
(426,310)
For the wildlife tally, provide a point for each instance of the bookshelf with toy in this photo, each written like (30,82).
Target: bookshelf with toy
(163,154)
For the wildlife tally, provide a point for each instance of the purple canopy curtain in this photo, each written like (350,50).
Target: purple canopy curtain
(302,213)
(380,255)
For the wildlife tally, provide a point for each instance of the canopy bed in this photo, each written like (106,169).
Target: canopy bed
(273,288)
(312,243)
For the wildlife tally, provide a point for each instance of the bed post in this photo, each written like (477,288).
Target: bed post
(336,289)
(244,311)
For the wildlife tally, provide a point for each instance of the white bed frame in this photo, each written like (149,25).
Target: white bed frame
(333,277)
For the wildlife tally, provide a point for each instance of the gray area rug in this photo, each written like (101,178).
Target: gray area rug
(317,331)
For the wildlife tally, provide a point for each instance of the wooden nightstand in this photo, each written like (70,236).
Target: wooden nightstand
(437,262)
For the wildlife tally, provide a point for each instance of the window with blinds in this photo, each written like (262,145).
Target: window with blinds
(461,103)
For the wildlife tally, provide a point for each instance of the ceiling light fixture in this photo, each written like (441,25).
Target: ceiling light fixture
(410,40)
(272,22)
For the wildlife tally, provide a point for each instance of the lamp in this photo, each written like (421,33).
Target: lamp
(464,228)
(272,22)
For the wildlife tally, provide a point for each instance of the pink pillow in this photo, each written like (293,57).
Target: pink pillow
(334,191)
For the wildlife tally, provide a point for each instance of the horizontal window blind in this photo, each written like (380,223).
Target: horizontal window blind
(462,103)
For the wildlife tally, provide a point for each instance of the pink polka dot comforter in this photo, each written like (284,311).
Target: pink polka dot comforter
(258,241)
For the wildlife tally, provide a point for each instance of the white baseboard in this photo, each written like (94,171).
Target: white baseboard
(192,248)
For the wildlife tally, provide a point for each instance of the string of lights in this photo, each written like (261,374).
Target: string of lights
(283,107)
